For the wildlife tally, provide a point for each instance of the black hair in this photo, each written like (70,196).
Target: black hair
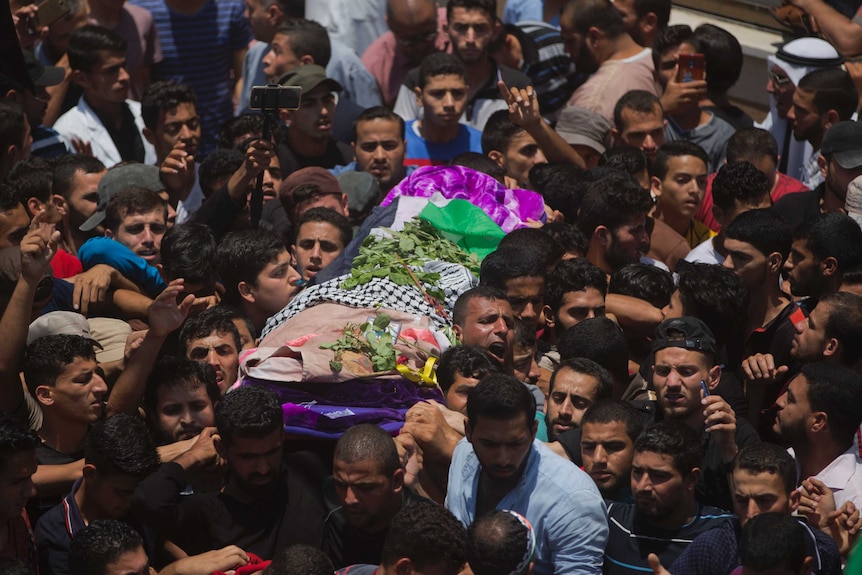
(440,64)
(833,89)
(172,372)
(751,144)
(466,361)
(188,251)
(649,283)
(525,333)
(572,276)
(739,182)
(87,42)
(629,159)
(300,559)
(611,202)
(836,390)
(504,264)
(661,9)
(488,6)
(459,310)
(764,229)
(164,96)
(100,543)
(329,216)
(673,438)
(479,163)
(589,367)
(427,534)
(217,168)
(767,458)
(232,130)
(379,113)
(8,198)
(307,38)
(717,297)
(599,13)
(773,542)
(611,411)
(668,38)
(569,237)
(497,542)
(11,125)
(31,178)
(368,443)
(500,396)
(249,411)
(65,168)
(544,247)
(852,276)
(242,255)
(601,340)
(561,187)
(675,149)
(722,55)
(833,235)
(121,445)
(15,438)
(845,324)
(498,132)
(208,321)
(47,357)
(639,101)
(130,201)
(9,566)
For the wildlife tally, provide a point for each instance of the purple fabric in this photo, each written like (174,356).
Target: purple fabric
(328,410)
(509,209)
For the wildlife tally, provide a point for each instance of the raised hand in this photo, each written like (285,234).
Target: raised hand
(165,314)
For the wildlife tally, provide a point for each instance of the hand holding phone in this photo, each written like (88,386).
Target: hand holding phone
(691,67)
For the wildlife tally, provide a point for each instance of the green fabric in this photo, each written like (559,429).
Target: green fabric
(466,225)
(854,565)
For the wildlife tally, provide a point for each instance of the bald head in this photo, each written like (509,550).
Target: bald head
(410,12)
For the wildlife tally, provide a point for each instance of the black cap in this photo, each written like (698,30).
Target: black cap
(40,74)
(686,332)
(843,141)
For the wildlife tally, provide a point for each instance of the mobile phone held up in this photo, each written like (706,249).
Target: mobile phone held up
(275,97)
(691,68)
(49,12)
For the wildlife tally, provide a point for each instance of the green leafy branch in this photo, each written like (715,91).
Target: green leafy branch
(371,339)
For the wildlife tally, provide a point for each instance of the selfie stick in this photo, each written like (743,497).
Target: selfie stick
(269,109)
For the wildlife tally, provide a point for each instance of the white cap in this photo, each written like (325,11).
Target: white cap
(853,200)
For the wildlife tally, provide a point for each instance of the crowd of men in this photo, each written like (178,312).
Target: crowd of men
(662,374)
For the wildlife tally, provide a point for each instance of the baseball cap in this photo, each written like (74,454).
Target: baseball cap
(684,332)
(111,335)
(308,77)
(118,179)
(40,74)
(579,126)
(843,141)
(60,323)
(320,177)
(853,200)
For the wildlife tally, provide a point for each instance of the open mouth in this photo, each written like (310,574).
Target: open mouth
(498,350)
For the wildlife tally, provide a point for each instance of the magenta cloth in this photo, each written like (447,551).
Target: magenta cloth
(509,209)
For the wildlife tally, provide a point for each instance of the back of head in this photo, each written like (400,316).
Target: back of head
(833,235)
(177,372)
(132,200)
(217,168)
(833,89)
(570,238)
(498,132)
(845,324)
(717,297)
(601,14)
(638,101)
(767,458)
(722,55)
(427,534)
(600,340)
(300,559)
(249,411)
(628,159)
(307,38)
(188,251)
(237,129)
(739,182)
(673,438)
(611,202)
(499,542)
(751,144)
(464,360)
(572,276)
(31,178)
(164,96)
(47,356)
(612,411)
(764,229)
(12,126)
(675,149)
(242,255)
(86,43)
(661,9)
(368,443)
(506,264)
(643,281)
(121,445)
(558,185)
(479,163)
(100,543)
(546,248)
(500,397)
(440,64)
(15,438)
(773,542)
(836,390)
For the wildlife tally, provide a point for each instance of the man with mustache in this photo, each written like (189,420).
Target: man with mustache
(180,399)
(212,338)
(575,385)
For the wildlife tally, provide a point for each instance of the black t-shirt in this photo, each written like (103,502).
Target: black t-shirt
(127,138)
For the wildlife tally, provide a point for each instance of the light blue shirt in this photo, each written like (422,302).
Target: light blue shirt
(559,500)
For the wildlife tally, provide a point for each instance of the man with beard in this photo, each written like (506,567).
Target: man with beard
(212,338)
(575,386)
(818,416)
(269,500)
(180,399)
(644,19)
(596,38)
(665,516)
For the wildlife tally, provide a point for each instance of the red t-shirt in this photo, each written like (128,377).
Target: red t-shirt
(65,265)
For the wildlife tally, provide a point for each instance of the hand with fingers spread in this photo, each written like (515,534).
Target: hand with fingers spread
(523,105)
(761,367)
(177,172)
(720,422)
(82,147)
(37,248)
(165,314)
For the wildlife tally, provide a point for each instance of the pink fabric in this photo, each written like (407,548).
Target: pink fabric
(612,80)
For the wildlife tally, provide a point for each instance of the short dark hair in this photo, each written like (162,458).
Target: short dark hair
(506,264)
(739,182)
(833,235)
(440,64)
(767,458)
(465,360)
(611,202)
(249,411)
(599,13)
(836,390)
(307,37)
(587,367)
(15,438)
(833,90)
(479,163)
(368,443)
(459,310)
(100,543)
(764,229)
(500,396)
(773,542)
(426,533)
(639,101)
(242,125)
(300,559)
(85,44)
(47,356)
(561,186)
(178,372)
(328,216)
(242,255)
(188,251)
(130,201)
(675,149)
(673,438)
(498,132)
(498,542)
(545,247)
(611,411)
(649,283)
(661,9)
(164,96)
(568,236)
(572,276)
(845,324)
(217,168)
(208,321)
(65,168)
(121,445)
(667,38)
(722,55)
(11,125)
(629,159)
(717,297)
(750,144)
(601,340)
(488,6)
(9,566)
(378,113)
(31,178)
